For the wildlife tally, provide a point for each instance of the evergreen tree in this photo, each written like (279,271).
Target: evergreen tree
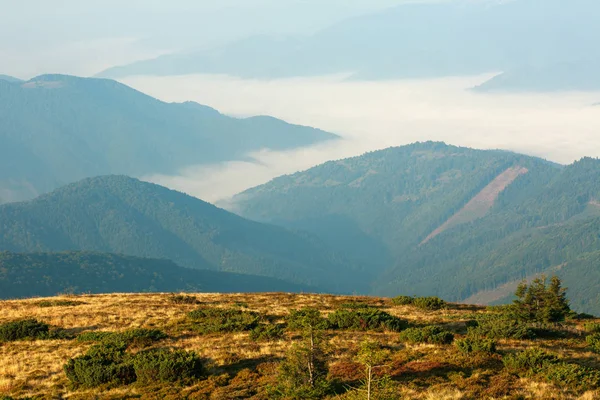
(303,373)
(540,302)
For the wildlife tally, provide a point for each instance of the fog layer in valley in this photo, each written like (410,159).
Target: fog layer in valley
(560,127)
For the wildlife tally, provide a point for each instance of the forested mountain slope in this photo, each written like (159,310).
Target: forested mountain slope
(441,220)
(118,214)
(48,274)
(57,129)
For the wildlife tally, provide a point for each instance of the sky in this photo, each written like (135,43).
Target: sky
(85,37)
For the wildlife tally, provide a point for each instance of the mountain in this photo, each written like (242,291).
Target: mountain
(118,214)
(7,78)
(48,274)
(433,219)
(58,129)
(433,39)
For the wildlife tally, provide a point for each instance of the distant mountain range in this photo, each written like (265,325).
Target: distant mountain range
(432,219)
(48,274)
(118,214)
(540,45)
(57,129)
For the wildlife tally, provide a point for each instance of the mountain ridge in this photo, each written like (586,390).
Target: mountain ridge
(119,214)
(57,129)
(386,204)
(429,41)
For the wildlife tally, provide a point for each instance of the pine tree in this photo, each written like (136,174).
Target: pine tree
(303,373)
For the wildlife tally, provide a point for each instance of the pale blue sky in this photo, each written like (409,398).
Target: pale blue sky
(83,37)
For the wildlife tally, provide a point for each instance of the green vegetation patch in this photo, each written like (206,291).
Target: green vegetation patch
(365,319)
(535,362)
(594,342)
(103,364)
(267,332)
(133,337)
(218,320)
(500,327)
(427,334)
(58,303)
(425,303)
(183,299)
(475,345)
(592,327)
(110,364)
(23,329)
(165,365)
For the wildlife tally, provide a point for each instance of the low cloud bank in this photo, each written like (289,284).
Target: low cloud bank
(560,127)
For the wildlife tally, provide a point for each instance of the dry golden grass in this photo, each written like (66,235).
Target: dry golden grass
(35,368)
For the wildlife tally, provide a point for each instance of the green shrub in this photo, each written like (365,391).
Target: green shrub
(365,319)
(475,345)
(592,327)
(594,342)
(572,376)
(267,332)
(95,336)
(183,299)
(532,361)
(58,303)
(427,334)
(133,337)
(102,364)
(306,318)
(429,303)
(24,329)
(403,300)
(164,365)
(501,327)
(537,362)
(215,320)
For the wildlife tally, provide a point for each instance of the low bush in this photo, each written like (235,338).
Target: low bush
(475,345)
(592,327)
(425,303)
(94,336)
(365,319)
(110,364)
(427,334)
(429,303)
(403,300)
(500,327)
(529,361)
(103,364)
(307,317)
(58,303)
(267,332)
(23,329)
(165,365)
(537,362)
(594,342)
(133,337)
(572,376)
(215,320)
(183,299)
